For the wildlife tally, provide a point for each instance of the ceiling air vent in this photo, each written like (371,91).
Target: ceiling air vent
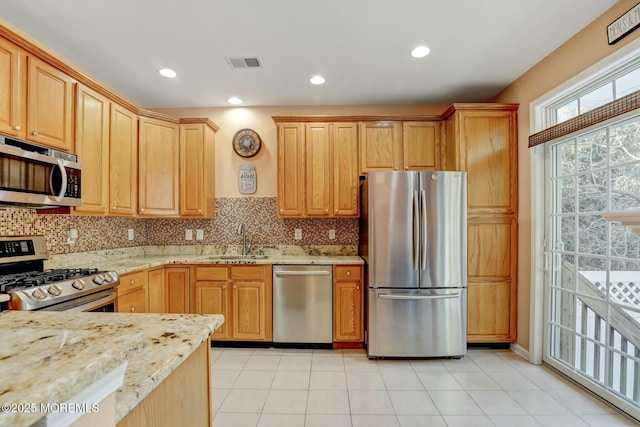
(244,62)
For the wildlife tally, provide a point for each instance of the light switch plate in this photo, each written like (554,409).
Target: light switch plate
(297,234)
(199,234)
(332,234)
(188,234)
(130,234)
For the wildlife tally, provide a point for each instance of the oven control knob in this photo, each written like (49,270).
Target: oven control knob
(54,290)
(39,294)
(107,278)
(98,279)
(78,284)
(114,276)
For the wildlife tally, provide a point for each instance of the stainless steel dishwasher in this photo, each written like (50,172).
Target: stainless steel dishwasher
(303,304)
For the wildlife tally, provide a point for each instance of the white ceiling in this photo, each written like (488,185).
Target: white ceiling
(361,47)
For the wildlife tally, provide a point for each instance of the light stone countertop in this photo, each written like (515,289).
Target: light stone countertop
(39,370)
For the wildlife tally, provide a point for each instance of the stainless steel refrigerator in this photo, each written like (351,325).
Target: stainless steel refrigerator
(414,241)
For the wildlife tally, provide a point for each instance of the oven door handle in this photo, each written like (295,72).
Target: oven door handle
(94,304)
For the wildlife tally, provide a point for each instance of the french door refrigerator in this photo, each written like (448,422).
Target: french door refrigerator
(413,239)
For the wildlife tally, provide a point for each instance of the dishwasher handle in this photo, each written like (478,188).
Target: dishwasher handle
(417,297)
(303,273)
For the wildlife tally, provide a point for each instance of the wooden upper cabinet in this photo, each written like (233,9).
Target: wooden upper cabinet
(49,105)
(421,144)
(197,170)
(92,148)
(291,169)
(158,170)
(12,81)
(318,169)
(344,147)
(123,162)
(484,143)
(380,146)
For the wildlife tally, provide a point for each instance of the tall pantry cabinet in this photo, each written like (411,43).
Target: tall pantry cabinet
(481,139)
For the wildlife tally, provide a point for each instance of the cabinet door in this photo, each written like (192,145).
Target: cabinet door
(212,297)
(11,94)
(156,291)
(158,168)
(123,164)
(133,302)
(249,311)
(380,146)
(92,148)
(344,146)
(176,289)
(196,170)
(318,170)
(348,304)
(291,169)
(50,105)
(420,142)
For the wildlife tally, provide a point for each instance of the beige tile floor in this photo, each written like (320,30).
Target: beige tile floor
(295,388)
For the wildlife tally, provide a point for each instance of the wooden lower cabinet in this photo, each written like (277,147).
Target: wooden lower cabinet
(176,283)
(348,303)
(132,293)
(242,293)
(156,291)
(182,399)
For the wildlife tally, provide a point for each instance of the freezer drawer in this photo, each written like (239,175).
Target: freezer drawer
(417,323)
(303,304)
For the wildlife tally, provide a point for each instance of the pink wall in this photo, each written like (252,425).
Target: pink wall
(580,52)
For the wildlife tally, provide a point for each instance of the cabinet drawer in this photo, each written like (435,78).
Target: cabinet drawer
(131,282)
(349,272)
(212,273)
(133,302)
(248,272)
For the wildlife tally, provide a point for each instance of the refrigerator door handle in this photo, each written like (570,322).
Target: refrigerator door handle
(417,297)
(416,230)
(423,242)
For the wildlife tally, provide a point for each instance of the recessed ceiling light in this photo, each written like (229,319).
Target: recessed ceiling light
(168,73)
(317,80)
(420,52)
(234,100)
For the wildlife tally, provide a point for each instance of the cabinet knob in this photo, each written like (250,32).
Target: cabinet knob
(336,210)
(235,287)
(396,168)
(326,211)
(133,309)
(348,273)
(281,210)
(34,133)
(224,286)
(357,287)
(18,127)
(132,282)
(406,168)
(141,209)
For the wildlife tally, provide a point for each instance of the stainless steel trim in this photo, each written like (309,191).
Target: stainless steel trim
(303,273)
(417,297)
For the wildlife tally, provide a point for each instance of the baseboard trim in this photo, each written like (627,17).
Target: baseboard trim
(521,351)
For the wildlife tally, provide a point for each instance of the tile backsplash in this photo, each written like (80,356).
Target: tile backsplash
(258,214)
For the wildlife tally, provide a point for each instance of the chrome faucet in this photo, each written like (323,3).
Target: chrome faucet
(242,229)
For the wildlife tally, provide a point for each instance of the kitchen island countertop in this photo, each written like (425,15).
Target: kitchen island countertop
(51,356)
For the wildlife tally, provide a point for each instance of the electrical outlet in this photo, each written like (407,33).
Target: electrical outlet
(332,234)
(199,234)
(297,234)
(130,234)
(188,234)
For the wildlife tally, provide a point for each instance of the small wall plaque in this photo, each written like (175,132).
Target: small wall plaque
(624,25)
(247,179)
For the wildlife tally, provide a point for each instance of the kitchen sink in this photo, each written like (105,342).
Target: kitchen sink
(237,257)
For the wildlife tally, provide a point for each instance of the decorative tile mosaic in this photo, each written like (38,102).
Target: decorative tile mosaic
(264,228)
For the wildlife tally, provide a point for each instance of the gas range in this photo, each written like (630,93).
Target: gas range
(27,286)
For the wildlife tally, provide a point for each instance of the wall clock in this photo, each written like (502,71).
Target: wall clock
(246,143)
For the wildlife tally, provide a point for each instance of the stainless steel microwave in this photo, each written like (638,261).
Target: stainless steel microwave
(36,176)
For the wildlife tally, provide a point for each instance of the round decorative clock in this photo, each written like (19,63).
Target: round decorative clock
(246,143)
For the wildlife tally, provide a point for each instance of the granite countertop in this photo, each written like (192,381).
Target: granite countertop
(51,356)
(135,263)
